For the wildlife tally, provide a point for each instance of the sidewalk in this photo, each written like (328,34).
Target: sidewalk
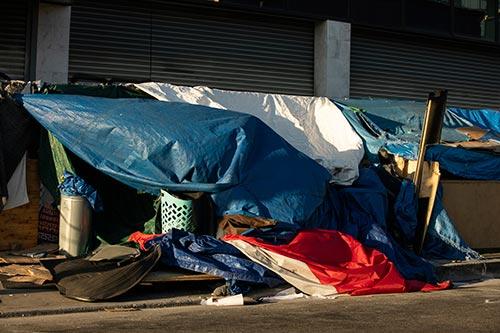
(34,302)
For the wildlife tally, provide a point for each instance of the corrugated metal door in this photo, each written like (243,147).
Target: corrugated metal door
(395,66)
(13,38)
(110,39)
(191,46)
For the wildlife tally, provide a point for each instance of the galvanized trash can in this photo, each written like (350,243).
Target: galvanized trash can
(74,225)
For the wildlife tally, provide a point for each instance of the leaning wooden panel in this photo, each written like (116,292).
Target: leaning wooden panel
(474,207)
(19,226)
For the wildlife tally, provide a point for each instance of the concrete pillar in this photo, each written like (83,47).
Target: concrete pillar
(332,58)
(52,54)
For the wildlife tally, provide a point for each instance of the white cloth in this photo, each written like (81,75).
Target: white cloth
(16,187)
(293,271)
(313,125)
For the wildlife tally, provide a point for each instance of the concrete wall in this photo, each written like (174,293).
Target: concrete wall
(332,57)
(52,53)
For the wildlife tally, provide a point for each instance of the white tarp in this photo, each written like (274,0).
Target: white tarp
(16,187)
(313,125)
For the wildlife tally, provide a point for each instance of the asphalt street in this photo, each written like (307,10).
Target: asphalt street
(465,309)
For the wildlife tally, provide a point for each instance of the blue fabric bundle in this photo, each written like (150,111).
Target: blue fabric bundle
(206,254)
(73,185)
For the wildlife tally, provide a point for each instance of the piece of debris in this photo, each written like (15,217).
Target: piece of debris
(283,295)
(32,255)
(224,301)
(221,291)
(91,281)
(35,274)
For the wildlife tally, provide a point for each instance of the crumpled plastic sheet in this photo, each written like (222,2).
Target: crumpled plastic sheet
(313,125)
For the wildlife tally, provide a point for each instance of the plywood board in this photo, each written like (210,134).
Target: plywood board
(474,207)
(19,226)
(177,276)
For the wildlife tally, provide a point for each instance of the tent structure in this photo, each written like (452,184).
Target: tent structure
(236,148)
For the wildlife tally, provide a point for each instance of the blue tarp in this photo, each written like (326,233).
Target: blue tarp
(364,212)
(400,120)
(442,239)
(150,145)
(466,163)
(205,254)
(483,118)
(396,125)
(461,162)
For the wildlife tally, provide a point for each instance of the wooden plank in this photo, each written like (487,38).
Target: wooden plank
(430,179)
(6,284)
(19,226)
(429,190)
(10,259)
(22,260)
(178,276)
(431,130)
(426,187)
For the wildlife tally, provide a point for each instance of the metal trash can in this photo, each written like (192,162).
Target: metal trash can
(74,225)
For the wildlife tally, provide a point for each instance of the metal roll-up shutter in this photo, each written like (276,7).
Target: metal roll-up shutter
(191,45)
(232,50)
(396,66)
(110,40)
(13,21)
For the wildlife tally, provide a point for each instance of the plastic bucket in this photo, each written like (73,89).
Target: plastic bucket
(177,213)
(74,225)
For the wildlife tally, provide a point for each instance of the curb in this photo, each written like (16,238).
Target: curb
(469,270)
(175,301)
(101,307)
